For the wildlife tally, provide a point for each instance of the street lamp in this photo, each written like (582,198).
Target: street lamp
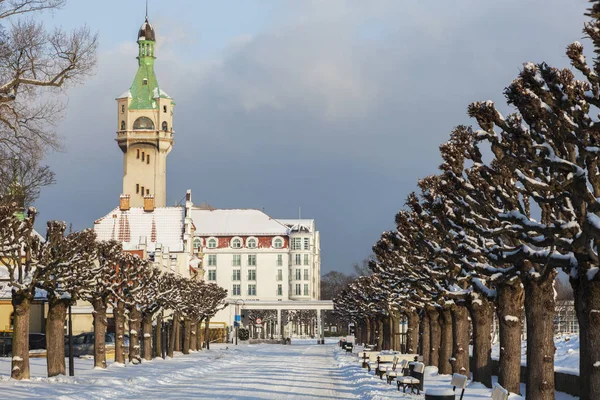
(237,319)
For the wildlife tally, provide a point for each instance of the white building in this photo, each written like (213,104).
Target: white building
(256,257)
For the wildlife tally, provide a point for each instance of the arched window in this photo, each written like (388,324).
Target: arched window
(236,243)
(212,243)
(278,243)
(251,243)
(165,126)
(197,243)
(143,123)
(122,108)
(122,125)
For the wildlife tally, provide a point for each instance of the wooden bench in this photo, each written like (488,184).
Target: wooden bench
(414,381)
(380,359)
(458,381)
(365,356)
(499,393)
(397,370)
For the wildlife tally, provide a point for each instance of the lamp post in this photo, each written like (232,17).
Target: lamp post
(237,319)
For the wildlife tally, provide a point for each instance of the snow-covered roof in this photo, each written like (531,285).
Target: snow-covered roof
(125,95)
(232,222)
(307,225)
(164,225)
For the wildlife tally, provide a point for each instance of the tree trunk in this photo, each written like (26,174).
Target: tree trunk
(460,339)
(540,310)
(412,332)
(172,336)
(186,335)
(425,338)
(147,328)
(99,333)
(587,305)
(158,335)
(445,367)
(436,337)
(386,333)
(55,336)
(380,334)
(199,335)
(193,342)
(207,333)
(510,303)
(368,330)
(135,317)
(395,332)
(177,332)
(481,319)
(119,314)
(21,302)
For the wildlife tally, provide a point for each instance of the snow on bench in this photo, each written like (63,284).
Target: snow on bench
(499,393)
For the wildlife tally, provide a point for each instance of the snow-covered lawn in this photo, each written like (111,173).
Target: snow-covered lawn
(566,357)
(303,370)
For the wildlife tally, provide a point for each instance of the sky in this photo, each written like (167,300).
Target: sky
(332,107)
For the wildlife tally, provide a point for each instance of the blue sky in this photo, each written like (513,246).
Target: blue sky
(334,106)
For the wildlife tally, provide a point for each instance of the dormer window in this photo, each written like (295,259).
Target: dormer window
(212,243)
(236,243)
(278,243)
(251,243)
(197,243)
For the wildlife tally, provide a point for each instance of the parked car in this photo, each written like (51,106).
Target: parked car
(83,344)
(37,341)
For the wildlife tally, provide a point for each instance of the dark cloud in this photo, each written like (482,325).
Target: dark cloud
(339,108)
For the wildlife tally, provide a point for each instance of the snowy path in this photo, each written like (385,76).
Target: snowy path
(256,372)
(246,372)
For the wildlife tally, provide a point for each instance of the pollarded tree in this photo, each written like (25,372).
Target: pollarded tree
(18,247)
(98,284)
(61,260)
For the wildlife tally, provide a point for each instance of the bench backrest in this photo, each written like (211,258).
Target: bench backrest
(402,365)
(459,381)
(499,393)
(417,372)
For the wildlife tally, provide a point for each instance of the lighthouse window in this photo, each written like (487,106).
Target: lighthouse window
(138,153)
(122,125)
(145,81)
(148,159)
(137,188)
(122,108)
(143,123)
(164,126)
(165,109)
(143,156)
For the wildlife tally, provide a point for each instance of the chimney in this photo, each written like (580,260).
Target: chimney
(124,202)
(149,203)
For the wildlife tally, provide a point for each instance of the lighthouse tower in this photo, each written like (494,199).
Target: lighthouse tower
(145,128)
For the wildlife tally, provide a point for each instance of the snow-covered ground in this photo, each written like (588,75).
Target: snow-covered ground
(566,357)
(369,386)
(303,370)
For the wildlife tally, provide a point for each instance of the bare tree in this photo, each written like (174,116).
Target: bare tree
(36,66)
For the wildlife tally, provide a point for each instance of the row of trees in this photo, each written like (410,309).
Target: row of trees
(77,267)
(515,201)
